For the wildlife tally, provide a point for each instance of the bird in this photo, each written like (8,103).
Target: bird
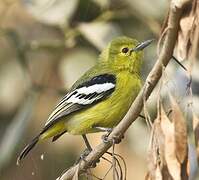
(101,97)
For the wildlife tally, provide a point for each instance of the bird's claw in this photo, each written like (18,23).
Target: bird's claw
(114,139)
(83,155)
(105,138)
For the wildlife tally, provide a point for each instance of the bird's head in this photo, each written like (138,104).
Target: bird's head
(124,52)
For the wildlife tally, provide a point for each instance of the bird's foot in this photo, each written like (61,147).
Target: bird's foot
(104,129)
(114,139)
(83,155)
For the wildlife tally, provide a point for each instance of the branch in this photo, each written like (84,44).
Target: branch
(166,53)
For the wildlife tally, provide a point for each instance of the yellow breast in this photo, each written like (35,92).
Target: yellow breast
(110,111)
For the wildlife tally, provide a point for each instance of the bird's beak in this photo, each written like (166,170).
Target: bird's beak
(142,45)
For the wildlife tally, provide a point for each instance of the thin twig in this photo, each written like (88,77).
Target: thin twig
(166,53)
(124,163)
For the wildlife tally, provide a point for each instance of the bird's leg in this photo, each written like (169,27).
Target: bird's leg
(103,129)
(87,142)
(86,151)
(88,147)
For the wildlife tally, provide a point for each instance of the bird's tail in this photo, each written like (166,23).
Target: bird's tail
(27,149)
(42,135)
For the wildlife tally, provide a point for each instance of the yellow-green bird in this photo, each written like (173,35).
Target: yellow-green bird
(101,97)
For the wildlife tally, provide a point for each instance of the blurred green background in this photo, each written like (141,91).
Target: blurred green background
(44,47)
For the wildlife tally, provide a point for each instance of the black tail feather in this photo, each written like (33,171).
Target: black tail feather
(31,145)
(27,149)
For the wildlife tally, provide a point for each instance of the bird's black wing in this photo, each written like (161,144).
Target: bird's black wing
(83,96)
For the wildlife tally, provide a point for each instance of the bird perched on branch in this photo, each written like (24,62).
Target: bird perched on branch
(101,97)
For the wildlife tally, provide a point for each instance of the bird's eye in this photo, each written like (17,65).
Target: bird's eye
(125,50)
